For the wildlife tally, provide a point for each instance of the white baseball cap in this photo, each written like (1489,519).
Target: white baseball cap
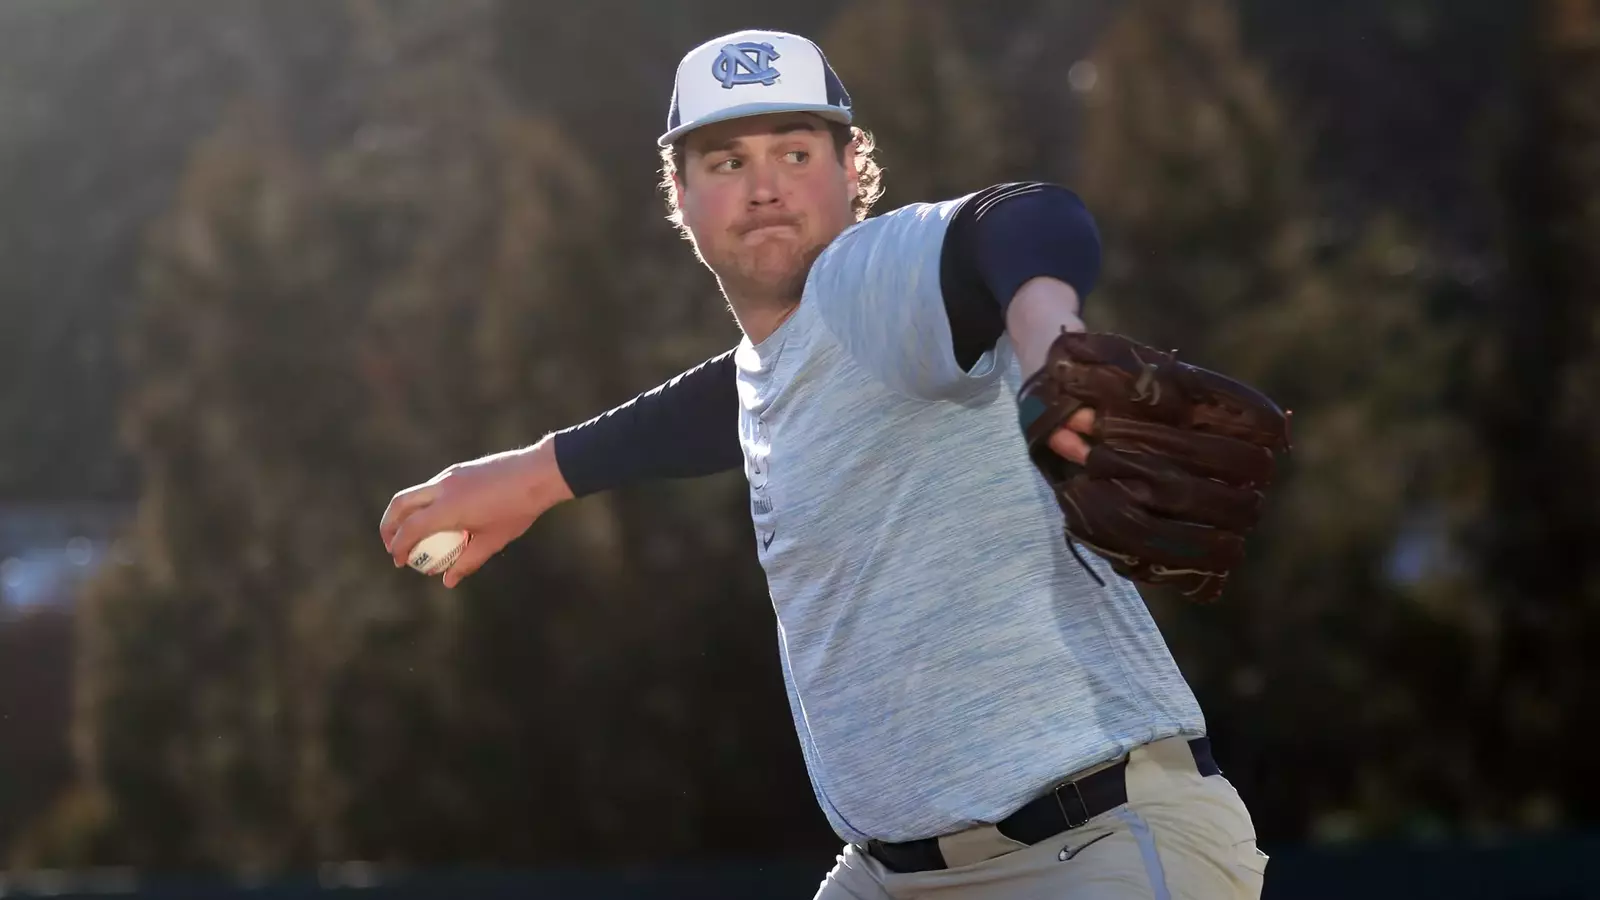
(751,73)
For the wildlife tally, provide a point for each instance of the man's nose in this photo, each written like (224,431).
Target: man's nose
(764,189)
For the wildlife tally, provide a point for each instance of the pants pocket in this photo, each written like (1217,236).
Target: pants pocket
(1236,830)
(1249,869)
(1249,857)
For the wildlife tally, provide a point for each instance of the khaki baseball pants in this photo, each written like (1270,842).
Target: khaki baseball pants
(1181,836)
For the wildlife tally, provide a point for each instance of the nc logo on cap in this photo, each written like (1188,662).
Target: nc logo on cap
(745,63)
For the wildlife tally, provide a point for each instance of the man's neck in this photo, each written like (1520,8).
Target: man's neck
(759,319)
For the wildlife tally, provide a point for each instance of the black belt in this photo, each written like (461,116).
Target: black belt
(1064,808)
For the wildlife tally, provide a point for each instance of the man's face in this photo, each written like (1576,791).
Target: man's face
(762,197)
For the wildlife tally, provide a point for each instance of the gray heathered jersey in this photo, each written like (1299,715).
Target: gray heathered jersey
(946,658)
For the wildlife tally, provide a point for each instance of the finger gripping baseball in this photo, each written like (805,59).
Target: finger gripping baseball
(1178,462)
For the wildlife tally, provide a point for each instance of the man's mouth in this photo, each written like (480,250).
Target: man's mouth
(770,226)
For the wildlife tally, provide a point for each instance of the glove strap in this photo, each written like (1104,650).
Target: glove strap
(1038,420)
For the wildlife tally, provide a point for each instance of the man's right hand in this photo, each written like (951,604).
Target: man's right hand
(495,499)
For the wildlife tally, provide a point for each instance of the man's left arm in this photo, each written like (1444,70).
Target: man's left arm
(921,296)
(1018,261)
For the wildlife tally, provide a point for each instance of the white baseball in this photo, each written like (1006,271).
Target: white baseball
(437,552)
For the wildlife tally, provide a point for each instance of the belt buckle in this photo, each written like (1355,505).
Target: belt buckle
(1071,822)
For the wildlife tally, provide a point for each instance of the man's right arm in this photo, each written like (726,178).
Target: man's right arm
(685,428)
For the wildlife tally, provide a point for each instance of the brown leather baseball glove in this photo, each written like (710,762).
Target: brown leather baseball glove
(1179,458)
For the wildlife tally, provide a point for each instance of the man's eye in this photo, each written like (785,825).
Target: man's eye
(798,156)
(726,165)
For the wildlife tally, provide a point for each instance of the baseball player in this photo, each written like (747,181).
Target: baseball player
(928,431)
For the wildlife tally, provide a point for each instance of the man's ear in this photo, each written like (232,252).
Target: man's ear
(677,187)
(852,175)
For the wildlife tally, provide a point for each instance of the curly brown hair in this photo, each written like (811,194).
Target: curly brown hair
(869,185)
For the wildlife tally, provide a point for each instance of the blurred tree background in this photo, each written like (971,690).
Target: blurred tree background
(264,263)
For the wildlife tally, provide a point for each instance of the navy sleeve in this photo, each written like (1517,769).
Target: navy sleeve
(685,428)
(1002,237)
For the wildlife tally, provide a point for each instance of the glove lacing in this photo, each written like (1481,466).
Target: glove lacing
(1073,546)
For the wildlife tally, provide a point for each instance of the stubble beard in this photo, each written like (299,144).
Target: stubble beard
(767,278)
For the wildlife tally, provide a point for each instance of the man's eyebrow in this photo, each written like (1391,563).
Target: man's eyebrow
(734,142)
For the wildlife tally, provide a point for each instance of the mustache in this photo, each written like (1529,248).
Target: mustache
(762,221)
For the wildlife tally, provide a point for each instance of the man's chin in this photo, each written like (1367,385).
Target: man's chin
(777,272)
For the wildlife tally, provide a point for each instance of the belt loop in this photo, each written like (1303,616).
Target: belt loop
(1072,822)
